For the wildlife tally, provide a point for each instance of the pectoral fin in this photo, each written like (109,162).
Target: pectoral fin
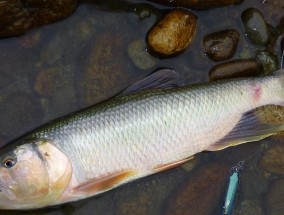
(104,183)
(249,129)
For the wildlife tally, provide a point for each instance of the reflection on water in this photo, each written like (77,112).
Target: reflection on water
(84,59)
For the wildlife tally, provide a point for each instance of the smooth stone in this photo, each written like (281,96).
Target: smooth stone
(255,26)
(146,196)
(19,16)
(235,68)
(272,114)
(249,207)
(273,160)
(103,75)
(173,33)
(221,45)
(55,87)
(268,62)
(138,54)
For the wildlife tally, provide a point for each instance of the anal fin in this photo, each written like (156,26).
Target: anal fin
(249,129)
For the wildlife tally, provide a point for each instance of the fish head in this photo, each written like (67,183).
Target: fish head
(33,175)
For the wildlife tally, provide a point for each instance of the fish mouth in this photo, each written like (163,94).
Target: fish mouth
(9,194)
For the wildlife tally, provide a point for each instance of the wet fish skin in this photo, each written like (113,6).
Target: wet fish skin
(137,135)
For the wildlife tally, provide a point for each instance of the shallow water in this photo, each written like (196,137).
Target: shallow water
(44,75)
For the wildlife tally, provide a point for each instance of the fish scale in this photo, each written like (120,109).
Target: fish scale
(144,133)
(137,135)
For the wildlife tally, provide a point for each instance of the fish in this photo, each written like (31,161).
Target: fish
(133,135)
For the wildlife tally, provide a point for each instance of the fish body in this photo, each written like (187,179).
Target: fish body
(133,136)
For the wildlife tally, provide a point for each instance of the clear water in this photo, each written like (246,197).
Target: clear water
(61,53)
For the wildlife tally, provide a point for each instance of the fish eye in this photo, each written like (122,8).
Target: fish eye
(9,162)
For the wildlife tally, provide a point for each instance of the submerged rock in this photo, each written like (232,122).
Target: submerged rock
(199,4)
(200,193)
(18,16)
(255,26)
(104,74)
(139,56)
(235,68)
(147,195)
(273,160)
(55,86)
(274,200)
(272,114)
(268,62)
(173,33)
(249,207)
(221,45)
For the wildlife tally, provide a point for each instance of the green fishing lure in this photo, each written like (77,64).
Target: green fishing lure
(232,189)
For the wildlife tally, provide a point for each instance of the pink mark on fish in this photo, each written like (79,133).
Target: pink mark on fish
(256,92)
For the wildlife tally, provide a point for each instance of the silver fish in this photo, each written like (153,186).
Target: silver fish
(133,136)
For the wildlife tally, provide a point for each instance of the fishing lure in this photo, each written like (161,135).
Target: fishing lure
(232,189)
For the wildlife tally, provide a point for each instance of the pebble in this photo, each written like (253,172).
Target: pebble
(17,17)
(249,207)
(255,26)
(235,68)
(173,33)
(273,160)
(221,45)
(146,196)
(268,62)
(104,73)
(138,54)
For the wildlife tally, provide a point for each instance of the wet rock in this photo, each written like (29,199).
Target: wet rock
(255,26)
(30,40)
(272,114)
(22,112)
(173,33)
(221,45)
(147,195)
(249,207)
(273,160)
(104,74)
(200,192)
(66,44)
(268,62)
(273,11)
(18,16)
(235,68)
(199,4)
(140,57)
(55,86)
(274,200)
(253,184)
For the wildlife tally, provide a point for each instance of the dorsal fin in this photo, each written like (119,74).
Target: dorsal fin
(161,79)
